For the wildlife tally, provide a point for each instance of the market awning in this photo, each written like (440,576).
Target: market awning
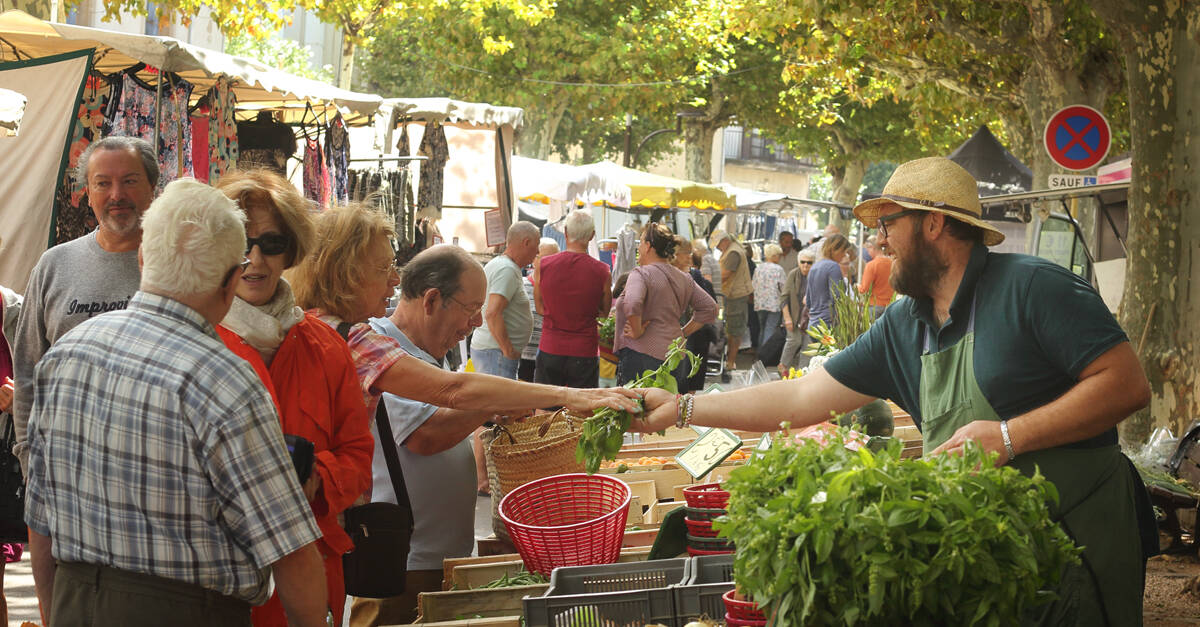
(748,199)
(546,182)
(652,191)
(257,86)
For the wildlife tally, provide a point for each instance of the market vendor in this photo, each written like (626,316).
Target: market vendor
(1053,376)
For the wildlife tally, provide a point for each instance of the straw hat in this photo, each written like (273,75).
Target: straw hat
(932,184)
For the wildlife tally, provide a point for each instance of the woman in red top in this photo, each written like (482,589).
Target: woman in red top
(303,362)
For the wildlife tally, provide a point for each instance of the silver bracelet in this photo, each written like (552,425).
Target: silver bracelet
(1008,448)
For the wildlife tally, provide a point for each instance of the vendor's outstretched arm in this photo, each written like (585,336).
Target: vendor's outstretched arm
(800,402)
(1110,388)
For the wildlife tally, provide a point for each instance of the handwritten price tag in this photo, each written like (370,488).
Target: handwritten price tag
(708,451)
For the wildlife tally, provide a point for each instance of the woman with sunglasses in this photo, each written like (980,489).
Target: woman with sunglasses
(303,363)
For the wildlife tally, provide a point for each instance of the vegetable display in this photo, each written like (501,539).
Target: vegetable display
(832,536)
(604,432)
(519,578)
(606,328)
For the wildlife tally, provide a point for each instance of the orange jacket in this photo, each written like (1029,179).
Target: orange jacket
(313,380)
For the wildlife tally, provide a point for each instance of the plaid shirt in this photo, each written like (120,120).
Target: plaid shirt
(154,449)
(373,354)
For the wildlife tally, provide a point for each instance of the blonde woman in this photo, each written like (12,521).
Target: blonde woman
(768,289)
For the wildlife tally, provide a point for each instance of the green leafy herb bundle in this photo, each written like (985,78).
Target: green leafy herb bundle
(830,536)
(607,330)
(519,578)
(604,432)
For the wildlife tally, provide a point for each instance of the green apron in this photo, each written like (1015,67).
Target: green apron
(1096,495)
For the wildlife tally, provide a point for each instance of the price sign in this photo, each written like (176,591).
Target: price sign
(763,445)
(708,451)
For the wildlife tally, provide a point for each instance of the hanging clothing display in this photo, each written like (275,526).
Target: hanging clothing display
(404,150)
(200,143)
(222,130)
(626,257)
(433,146)
(337,159)
(316,174)
(74,216)
(551,231)
(131,112)
(265,143)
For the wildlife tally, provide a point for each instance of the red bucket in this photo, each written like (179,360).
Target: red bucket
(567,520)
(709,496)
(741,610)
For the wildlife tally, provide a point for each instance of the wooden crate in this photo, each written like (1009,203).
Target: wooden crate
(664,480)
(647,491)
(655,514)
(499,621)
(471,572)
(487,602)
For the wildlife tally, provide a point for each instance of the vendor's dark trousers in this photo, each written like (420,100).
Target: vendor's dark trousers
(631,364)
(572,372)
(87,595)
(397,610)
(699,343)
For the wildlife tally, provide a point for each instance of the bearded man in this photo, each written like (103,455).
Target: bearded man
(96,273)
(1054,376)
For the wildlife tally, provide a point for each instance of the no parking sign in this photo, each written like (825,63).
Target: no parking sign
(1077,137)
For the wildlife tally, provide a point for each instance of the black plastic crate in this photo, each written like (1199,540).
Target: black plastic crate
(708,577)
(630,594)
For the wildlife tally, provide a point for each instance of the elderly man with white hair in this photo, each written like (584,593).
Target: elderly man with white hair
(736,287)
(571,289)
(160,488)
(507,320)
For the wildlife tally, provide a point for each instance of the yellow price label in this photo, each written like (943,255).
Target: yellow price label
(708,451)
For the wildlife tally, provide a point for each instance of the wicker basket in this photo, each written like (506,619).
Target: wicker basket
(517,454)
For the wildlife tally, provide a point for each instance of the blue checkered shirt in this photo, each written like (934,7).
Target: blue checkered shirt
(154,449)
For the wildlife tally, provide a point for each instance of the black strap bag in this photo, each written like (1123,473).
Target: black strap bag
(381,532)
(12,487)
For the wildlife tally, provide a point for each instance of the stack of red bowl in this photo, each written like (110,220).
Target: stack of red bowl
(742,613)
(704,503)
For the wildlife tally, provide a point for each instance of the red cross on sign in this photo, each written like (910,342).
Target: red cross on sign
(1077,137)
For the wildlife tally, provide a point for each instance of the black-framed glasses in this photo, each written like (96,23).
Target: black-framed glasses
(883,220)
(270,244)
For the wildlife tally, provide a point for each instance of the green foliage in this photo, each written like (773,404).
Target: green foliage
(604,432)
(279,53)
(832,536)
(519,578)
(877,175)
(606,329)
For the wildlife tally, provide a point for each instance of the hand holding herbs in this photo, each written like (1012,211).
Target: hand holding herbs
(604,432)
(830,536)
(607,330)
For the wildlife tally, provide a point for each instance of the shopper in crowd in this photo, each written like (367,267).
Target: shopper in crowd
(849,266)
(875,279)
(433,443)
(528,366)
(507,321)
(10,308)
(700,342)
(571,289)
(98,272)
(655,297)
(303,362)
(788,257)
(769,278)
(795,315)
(350,276)
(709,268)
(826,276)
(736,287)
(156,460)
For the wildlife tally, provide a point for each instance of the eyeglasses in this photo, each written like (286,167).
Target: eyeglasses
(883,220)
(269,243)
(242,265)
(806,263)
(470,311)
(389,269)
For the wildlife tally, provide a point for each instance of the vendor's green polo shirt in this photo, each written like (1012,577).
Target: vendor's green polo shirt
(1037,326)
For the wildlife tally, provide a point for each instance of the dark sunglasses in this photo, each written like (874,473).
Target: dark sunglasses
(270,244)
(806,263)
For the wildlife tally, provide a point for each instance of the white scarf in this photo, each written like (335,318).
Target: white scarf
(264,326)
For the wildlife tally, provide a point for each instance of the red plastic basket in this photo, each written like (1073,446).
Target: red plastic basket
(709,496)
(567,520)
(741,610)
(742,622)
(700,528)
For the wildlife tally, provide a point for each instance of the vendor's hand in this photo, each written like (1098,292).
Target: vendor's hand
(510,352)
(986,433)
(789,325)
(586,400)
(661,412)
(311,487)
(6,394)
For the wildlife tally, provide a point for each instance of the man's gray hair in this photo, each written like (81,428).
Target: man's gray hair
(439,267)
(192,236)
(522,229)
(139,146)
(579,226)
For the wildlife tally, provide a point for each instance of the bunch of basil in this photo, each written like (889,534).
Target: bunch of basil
(831,536)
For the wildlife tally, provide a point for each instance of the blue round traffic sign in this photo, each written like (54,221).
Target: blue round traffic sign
(1077,137)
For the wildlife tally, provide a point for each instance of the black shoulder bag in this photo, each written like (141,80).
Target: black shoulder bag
(381,532)
(12,487)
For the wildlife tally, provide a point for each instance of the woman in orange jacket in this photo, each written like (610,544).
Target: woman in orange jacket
(306,365)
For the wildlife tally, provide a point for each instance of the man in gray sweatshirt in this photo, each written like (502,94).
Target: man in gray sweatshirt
(98,272)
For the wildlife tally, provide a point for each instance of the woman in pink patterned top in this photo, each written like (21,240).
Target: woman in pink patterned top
(350,276)
(655,298)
